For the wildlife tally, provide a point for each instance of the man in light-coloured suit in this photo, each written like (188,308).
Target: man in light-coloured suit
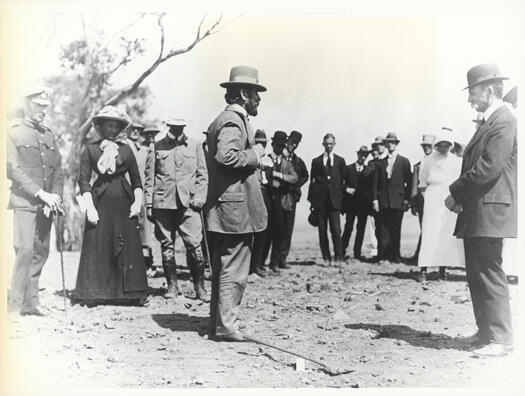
(235,208)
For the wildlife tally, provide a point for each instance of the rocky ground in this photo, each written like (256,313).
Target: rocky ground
(373,320)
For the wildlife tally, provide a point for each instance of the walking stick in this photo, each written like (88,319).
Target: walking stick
(332,370)
(59,230)
(205,238)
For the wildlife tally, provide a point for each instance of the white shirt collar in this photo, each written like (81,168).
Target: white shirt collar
(492,108)
(325,155)
(393,155)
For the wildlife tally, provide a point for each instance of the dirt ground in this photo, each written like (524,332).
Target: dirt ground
(372,319)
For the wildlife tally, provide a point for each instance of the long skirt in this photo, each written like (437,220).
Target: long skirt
(111,265)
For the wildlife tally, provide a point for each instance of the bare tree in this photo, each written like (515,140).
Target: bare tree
(86,89)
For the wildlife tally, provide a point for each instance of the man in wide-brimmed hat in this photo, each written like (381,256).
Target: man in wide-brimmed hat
(175,187)
(299,166)
(35,170)
(393,177)
(357,201)
(416,198)
(484,196)
(282,177)
(235,208)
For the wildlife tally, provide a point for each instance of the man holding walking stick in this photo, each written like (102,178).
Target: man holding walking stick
(35,170)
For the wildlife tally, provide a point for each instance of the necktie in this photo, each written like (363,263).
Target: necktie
(329,163)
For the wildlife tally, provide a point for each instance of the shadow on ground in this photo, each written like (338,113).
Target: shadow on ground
(182,322)
(417,338)
(413,274)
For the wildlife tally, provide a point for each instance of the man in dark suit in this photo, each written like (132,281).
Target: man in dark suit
(302,177)
(378,153)
(485,198)
(357,201)
(325,196)
(282,179)
(392,186)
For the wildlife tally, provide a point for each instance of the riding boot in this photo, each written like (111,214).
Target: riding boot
(170,272)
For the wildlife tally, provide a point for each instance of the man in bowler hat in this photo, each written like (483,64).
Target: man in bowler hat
(302,177)
(35,170)
(357,200)
(391,193)
(326,197)
(235,208)
(282,178)
(485,198)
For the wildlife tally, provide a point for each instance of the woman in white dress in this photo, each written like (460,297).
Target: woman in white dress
(439,247)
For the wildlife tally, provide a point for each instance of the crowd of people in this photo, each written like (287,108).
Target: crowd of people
(234,204)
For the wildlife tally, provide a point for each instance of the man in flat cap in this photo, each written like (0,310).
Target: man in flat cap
(235,208)
(391,194)
(302,177)
(35,170)
(325,194)
(357,200)
(417,201)
(484,196)
(175,188)
(282,178)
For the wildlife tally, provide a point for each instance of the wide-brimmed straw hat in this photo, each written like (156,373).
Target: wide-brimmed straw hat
(244,76)
(112,113)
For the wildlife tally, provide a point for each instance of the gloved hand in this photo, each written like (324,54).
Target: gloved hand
(92,215)
(135,209)
(375,206)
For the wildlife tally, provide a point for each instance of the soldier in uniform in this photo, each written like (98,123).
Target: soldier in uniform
(176,185)
(35,170)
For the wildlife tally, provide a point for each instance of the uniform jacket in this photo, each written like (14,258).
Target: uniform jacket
(284,189)
(302,175)
(175,168)
(362,181)
(33,163)
(125,165)
(141,154)
(235,203)
(324,186)
(487,186)
(392,192)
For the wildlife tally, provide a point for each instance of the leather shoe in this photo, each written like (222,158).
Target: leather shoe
(473,339)
(493,350)
(37,311)
(285,266)
(236,336)
(260,272)
(275,270)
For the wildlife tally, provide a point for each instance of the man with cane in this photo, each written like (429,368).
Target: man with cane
(35,170)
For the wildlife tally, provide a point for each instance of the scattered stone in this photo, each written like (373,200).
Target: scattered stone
(379,307)
(187,305)
(313,308)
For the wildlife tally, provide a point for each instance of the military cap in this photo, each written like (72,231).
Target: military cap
(176,122)
(150,129)
(38,95)
(136,125)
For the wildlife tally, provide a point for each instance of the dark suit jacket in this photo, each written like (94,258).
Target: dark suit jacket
(302,174)
(487,186)
(361,200)
(391,193)
(327,187)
